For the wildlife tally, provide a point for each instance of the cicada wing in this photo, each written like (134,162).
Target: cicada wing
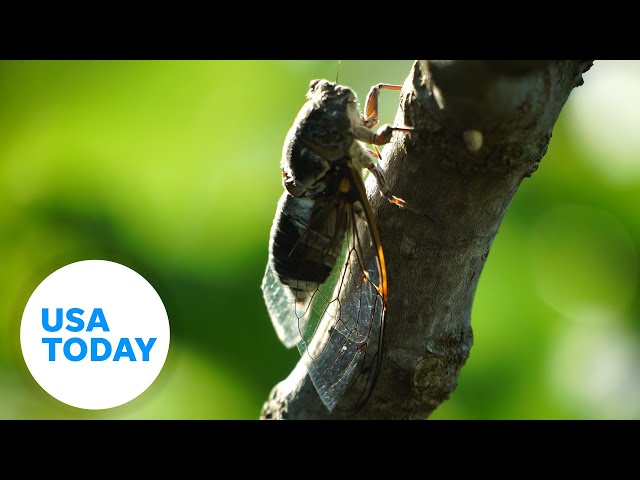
(295,313)
(281,305)
(325,288)
(345,350)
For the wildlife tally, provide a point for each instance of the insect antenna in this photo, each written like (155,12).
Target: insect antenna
(338,72)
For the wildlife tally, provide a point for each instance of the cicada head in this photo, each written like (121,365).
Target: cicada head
(337,100)
(323,90)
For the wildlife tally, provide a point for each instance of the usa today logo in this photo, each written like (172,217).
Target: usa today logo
(94,334)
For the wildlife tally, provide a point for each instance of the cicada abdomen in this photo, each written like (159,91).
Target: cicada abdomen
(305,244)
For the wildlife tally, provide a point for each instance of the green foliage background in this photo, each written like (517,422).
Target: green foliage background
(172,168)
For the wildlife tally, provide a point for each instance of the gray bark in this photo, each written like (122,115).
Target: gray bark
(464,180)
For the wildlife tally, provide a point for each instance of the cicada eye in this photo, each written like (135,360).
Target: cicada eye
(313,84)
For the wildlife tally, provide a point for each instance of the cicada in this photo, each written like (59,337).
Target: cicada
(325,285)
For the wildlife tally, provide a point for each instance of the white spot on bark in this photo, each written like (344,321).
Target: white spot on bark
(473,140)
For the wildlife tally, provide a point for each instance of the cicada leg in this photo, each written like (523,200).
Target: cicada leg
(383,186)
(370,117)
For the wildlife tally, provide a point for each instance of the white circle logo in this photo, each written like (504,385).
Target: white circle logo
(94,334)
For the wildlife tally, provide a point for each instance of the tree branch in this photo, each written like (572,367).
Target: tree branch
(481,128)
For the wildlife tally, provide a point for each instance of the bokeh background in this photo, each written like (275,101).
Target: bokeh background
(172,168)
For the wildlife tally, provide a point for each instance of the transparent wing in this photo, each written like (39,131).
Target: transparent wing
(329,296)
(343,354)
(281,305)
